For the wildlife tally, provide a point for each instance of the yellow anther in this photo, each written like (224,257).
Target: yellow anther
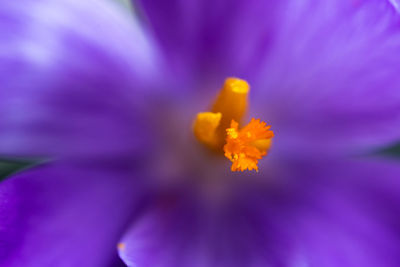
(230,104)
(232,101)
(246,146)
(205,127)
(263,144)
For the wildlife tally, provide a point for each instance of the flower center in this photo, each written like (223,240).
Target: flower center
(219,131)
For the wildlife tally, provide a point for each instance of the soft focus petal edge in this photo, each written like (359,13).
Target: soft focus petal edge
(72,76)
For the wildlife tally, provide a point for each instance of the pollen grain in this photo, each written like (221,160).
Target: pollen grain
(121,246)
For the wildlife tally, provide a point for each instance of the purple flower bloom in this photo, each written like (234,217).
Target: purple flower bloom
(110,102)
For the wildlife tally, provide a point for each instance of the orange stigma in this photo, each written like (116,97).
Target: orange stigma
(219,129)
(246,146)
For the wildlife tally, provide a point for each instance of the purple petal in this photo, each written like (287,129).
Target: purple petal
(331,83)
(72,78)
(349,214)
(64,215)
(317,214)
(180,231)
(211,39)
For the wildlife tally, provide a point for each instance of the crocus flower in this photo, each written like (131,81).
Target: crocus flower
(136,147)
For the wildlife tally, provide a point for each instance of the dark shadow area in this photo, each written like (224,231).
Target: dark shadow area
(11,166)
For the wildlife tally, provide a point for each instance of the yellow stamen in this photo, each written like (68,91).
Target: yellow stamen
(232,101)
(230,104)
(205,127)
(243,147)
(246,146)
